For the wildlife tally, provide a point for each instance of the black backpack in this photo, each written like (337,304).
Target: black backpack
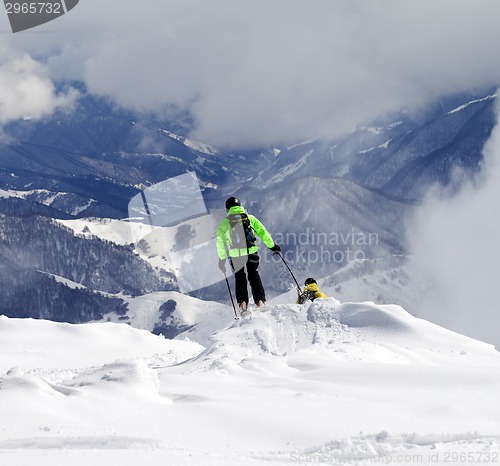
(242,234)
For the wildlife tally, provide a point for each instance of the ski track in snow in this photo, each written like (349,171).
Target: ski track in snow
(321,383)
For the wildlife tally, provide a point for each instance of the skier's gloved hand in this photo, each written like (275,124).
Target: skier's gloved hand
(276,249)
(222,265)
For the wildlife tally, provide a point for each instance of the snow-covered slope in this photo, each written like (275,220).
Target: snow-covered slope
(384,280)
(171,313)
(346,332)
(323,383)
(401,155)
(59,350)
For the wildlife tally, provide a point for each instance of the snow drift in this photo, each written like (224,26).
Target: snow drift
(345,383)
(350,332)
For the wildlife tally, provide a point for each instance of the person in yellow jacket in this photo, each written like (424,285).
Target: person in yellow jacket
(311,291)
(236,240)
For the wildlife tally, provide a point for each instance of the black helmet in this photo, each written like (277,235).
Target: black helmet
(232,202)
(309,281)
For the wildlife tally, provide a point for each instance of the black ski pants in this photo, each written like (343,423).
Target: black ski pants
(251,263)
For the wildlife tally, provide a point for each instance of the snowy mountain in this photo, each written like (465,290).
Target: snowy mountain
(330,383)
(66,180)
(399,157)
(49,272)
(99,156)
(386,280)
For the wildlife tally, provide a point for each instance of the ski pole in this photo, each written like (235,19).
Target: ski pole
(231,295)
(299,291)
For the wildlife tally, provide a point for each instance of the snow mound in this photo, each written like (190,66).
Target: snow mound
(299,336)
(125,378)
(15,379)
(130,377)
(34,346)
(389,319)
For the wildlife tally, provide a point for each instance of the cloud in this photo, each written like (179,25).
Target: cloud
(26,91)
(260,72)
(454,239)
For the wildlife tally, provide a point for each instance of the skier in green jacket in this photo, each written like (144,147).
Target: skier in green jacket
(236,240)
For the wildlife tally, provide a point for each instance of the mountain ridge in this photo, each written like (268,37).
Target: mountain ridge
(90,162)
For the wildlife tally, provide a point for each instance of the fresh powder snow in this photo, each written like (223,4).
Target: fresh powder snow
(319,383)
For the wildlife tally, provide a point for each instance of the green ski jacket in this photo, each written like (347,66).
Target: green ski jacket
(224,246)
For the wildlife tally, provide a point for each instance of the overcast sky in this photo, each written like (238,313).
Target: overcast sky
(255,72)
